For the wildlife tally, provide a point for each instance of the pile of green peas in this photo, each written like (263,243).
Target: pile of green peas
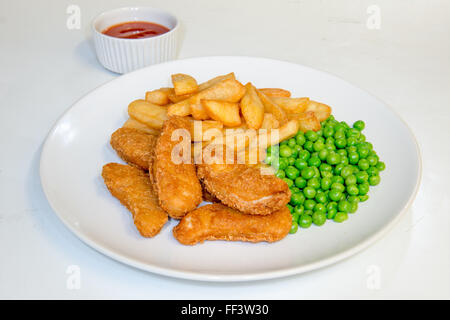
(328,171)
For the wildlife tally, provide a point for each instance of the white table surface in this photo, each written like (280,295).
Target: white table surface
(45,68)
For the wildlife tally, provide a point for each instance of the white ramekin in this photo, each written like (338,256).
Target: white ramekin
(125,55)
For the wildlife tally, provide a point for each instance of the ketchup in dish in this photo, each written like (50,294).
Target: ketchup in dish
(135,30)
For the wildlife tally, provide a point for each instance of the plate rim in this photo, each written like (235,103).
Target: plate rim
(234,277)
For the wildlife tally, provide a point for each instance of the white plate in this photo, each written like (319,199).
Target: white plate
(78,146)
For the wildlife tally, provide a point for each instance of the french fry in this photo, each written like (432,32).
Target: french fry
(272,107)
(134,124)
(184,84)
(269,122)
(159,96)
(307,121)
(148,113)
(292,105)
(205,85)
(321,110)
(275,92)
(259,144)
(201,130)
(229,90)
(252,108)
(175,99)
(223,111)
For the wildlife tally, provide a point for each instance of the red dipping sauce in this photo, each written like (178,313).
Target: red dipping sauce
(135,30)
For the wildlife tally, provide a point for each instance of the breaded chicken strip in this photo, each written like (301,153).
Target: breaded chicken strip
(133,146)
(244,188)
(134,190)
(177,185)
(218,222)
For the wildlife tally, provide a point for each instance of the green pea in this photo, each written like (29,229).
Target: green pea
(323,154)
(325,167)
(344,160)
(363,151)
(326,174)
(291,160)
(352,190)
(316,172)
(329,141)
(340,143)
(359,125)
(314,183)
(326,183)
(363,164)
(294,227)
(340,217)
(283,143)
(374,180)
(342,152)
(344,206)
(309,204)
(328,131)
(361,138)
(353,207)
(299,209)
(352,199)
(280,174)
(333,158)
(335,195)
(352,132)
(311,135)
(320,207)
(295,216)
(363,197)
(291,142)
(300,182)
(351,179)
(321,197)
(372,160)
(353,157)
(291,209)
(300,164)
(307,173)
(288,181)
(292,172)
(352,141)
(372,171)
(380,166)
(319,218)
(351,149)
(338,134)
(285,151)
(309,192)
(361,177)
(314,162)
(300,139)
(283,163)
(297,198)
(331,213)
(338,169)
(309,145)
(338,179)
(346,171)
(294,189)
(319,145)
(305,221)
(363,188)
(338,186)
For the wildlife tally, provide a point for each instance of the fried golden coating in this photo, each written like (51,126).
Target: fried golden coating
(244,188)
(177,185)
(133,146)
(218,222)
(134,190)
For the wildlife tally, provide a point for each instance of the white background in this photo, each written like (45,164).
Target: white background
(45,67)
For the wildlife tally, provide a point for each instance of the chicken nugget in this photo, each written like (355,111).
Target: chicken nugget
(218,222)
(134,190)
(133,146)
(244,188)
(176,181)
